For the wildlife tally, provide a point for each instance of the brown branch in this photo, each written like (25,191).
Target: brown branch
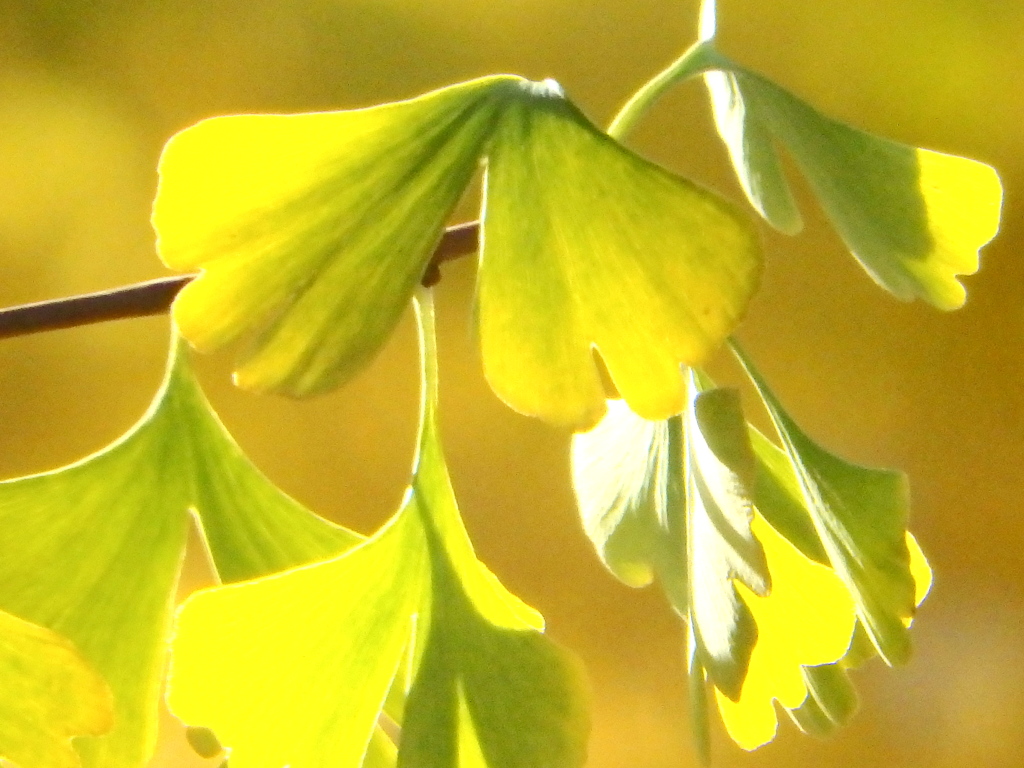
(154,297)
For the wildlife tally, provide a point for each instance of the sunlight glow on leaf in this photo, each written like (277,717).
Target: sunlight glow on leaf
(312,230)
(860,517)
(583,276)
(306,691)
(50,695)
(782,618)
(622,496)
(915,219)
(807,620)
(93,550)
(722,551)
(674,500)
(921,570)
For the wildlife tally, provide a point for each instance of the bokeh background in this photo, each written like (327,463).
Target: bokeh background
(90,90)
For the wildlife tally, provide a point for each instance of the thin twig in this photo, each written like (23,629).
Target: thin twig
(154,297)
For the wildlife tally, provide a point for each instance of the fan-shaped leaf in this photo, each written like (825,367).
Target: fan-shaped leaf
(312,230)
(307,690)
(860,516)
(51,695)
(791,644)
(618,255)
(93,550)
(673,500)
(914,218)
(807,619)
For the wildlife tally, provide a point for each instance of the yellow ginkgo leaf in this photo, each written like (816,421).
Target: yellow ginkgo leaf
(807,620)
(51,694)
(312,230)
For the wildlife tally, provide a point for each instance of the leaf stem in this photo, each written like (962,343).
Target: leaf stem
(698,58)
(424,301)
(154,297)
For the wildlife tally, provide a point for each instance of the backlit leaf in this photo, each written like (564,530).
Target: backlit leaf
(620,475)
(485,688)
(860,516)
(51,694)
(831,699)
(312,230)
(673,500)
(618,256)
(304,688)
(807,620)
(93,550)
(789,644)
(914,218)
(721,549)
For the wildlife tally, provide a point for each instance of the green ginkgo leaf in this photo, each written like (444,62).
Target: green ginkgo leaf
(777,496)
(93,550)
(312,230)
(410,604)
(831,700)
(51,694)
(914,218)
(860,517)
(619,256)
(716,554)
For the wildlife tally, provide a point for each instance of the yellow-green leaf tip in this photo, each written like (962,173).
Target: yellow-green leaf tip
(962,199)
(914,218)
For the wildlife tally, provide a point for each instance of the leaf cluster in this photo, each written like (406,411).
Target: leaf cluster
(604,283)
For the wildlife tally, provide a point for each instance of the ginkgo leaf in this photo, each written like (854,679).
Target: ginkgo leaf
(485,688)
(312,230)
(783,617)
(93,550)
(674,500)
(860,516)
(778,497)
(831,698)
(485,669)
(914,218)
(305,688)
(620,476)
(619,256)
(721,549)
(51,694)
(807,620)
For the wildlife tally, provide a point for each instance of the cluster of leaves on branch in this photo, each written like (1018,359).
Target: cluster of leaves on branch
(604,283)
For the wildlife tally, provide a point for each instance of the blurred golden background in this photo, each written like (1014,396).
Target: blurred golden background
(90,90)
